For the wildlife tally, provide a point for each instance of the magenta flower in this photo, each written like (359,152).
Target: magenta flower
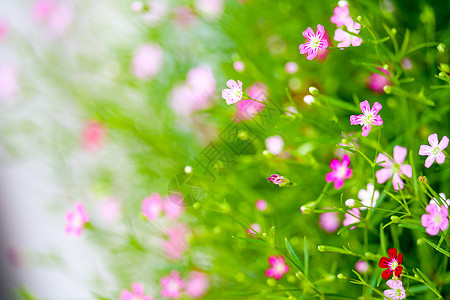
(434,151)
(397,292)
(329,221)
(315,42)
(341,171)
(174,206)
(351,217)
(346,39)
(147,61)
(261,205)
(361,266)
(341,15)
(254,229)
(176,244)
(248,109)
(234,93)
(76,219)
(172,285)
(437,218)
(393,168)
(277,179)
(368,118)
(136,293)
(279,267)
(152,206)
(197,285)
(377,82)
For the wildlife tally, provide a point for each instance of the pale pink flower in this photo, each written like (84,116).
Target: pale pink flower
(176,244)
(393,168)
(137,6)
(315,42)
(346,39)
(361,266)
(368,197)
(152,206)
(9,82)
(136,293)
(396,292)
(291,67)
(437,218)
(110,209)
(93,136)
(184,16)
(234,93)
(407,64)
(261,205)
(197,284)
(368,118)
(351,217)
(248,109)
(254,229)
(156,12)
(377,82)
(341,171)
(3,29)
(275,144)
(172,285)
(147,61)
(57,15)
(76,219)
(341,15)
(210,9)
(434,151)
(291,111)
(277,179)
(329,221)
(203,84)
(279,267)
(445,201)
(174,206)
(238,66)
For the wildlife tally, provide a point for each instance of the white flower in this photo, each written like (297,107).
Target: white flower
(368,197)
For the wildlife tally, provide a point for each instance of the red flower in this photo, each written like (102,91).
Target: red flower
(392,264)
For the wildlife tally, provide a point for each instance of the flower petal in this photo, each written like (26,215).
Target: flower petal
(320,31)
(398,271)
(383,160)
(232,84)
(425,150)
(406,170)
(356,120)
(384,262)
(440,158)
(387,274)
(338,183)
(376,108)
(397,182)
(365,107)
(311,54)
(383,175)
(345,160)
(377,121)
(444,143)
(331,176)
(323,44)
(392,252)
(308,33)
(340,35)
(366,129)
(399,154)
(433,140)
(430,160)
(304,48)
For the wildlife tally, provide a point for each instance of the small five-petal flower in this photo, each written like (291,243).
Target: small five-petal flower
(279,267)
(340,171)
(391,263)
(315,42)
(434,151)
(397,292)
(346,39)
(393,168)
(437,218)
(368,118)
(234,93)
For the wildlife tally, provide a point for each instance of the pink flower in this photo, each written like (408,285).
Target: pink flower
(368,118)
(136,293)
(254,229)
(110,209)
(279,267)
(291,67)
(329,221)
(397,291)
(234,93)
(437,218)
(174,206)
(315,42)
(9,82)
(261,205)
(322,54)
(197,285)
(57,15)
(407,64)
(346,39)
(147,61)
(248,109)
(377,82)
(3,29)
(76,219)
(211,9)
(152,206)
(172,285)
(434,151)
(275,144)
(238,66)
(93,136)
(341,171)
(277,179)
(341,15)
(393,168)
(184,16)
(361,266)
(176,244)
(351,217)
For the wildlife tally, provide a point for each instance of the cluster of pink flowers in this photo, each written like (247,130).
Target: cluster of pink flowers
(341,17)
(56,15)
(136,293)
(173,285)
(154,205)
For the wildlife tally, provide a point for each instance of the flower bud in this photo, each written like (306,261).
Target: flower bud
(314,91)
(387,89)
(340,276)
(441,48)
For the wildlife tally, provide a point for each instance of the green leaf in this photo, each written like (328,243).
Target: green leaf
(294,256)
(427,282)
(340,103)
(252,241)
(306,258)
(404,44)
(437,247)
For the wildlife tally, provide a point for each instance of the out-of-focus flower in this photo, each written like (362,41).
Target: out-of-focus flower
(56,14)
(172,285)
(277,179)
(248,109)
(176,244)
(341,15)
(397,292)
(315,42)
(174,206)
(291,67)
(340,171)
(152,206)
(391,263)
(9,82)
(351,217)
(368,118)
(110,209)
(443,199)
(75,220)
(346,39)
(377,82)
(147,61)
(156,12)
(279,267)
(261,205)
(197,284)
(254,229)
(210,9)
(136,293)
(434,151)
(393,168)
(238,66)
(407,64)
(350,202)
(3,29)
(291,111)
(309,99)
(329,221)
(93,136)
(361,266)
(368,197)
(137,6)
(275,144)
(234,93)
(437,218)
(184,17)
